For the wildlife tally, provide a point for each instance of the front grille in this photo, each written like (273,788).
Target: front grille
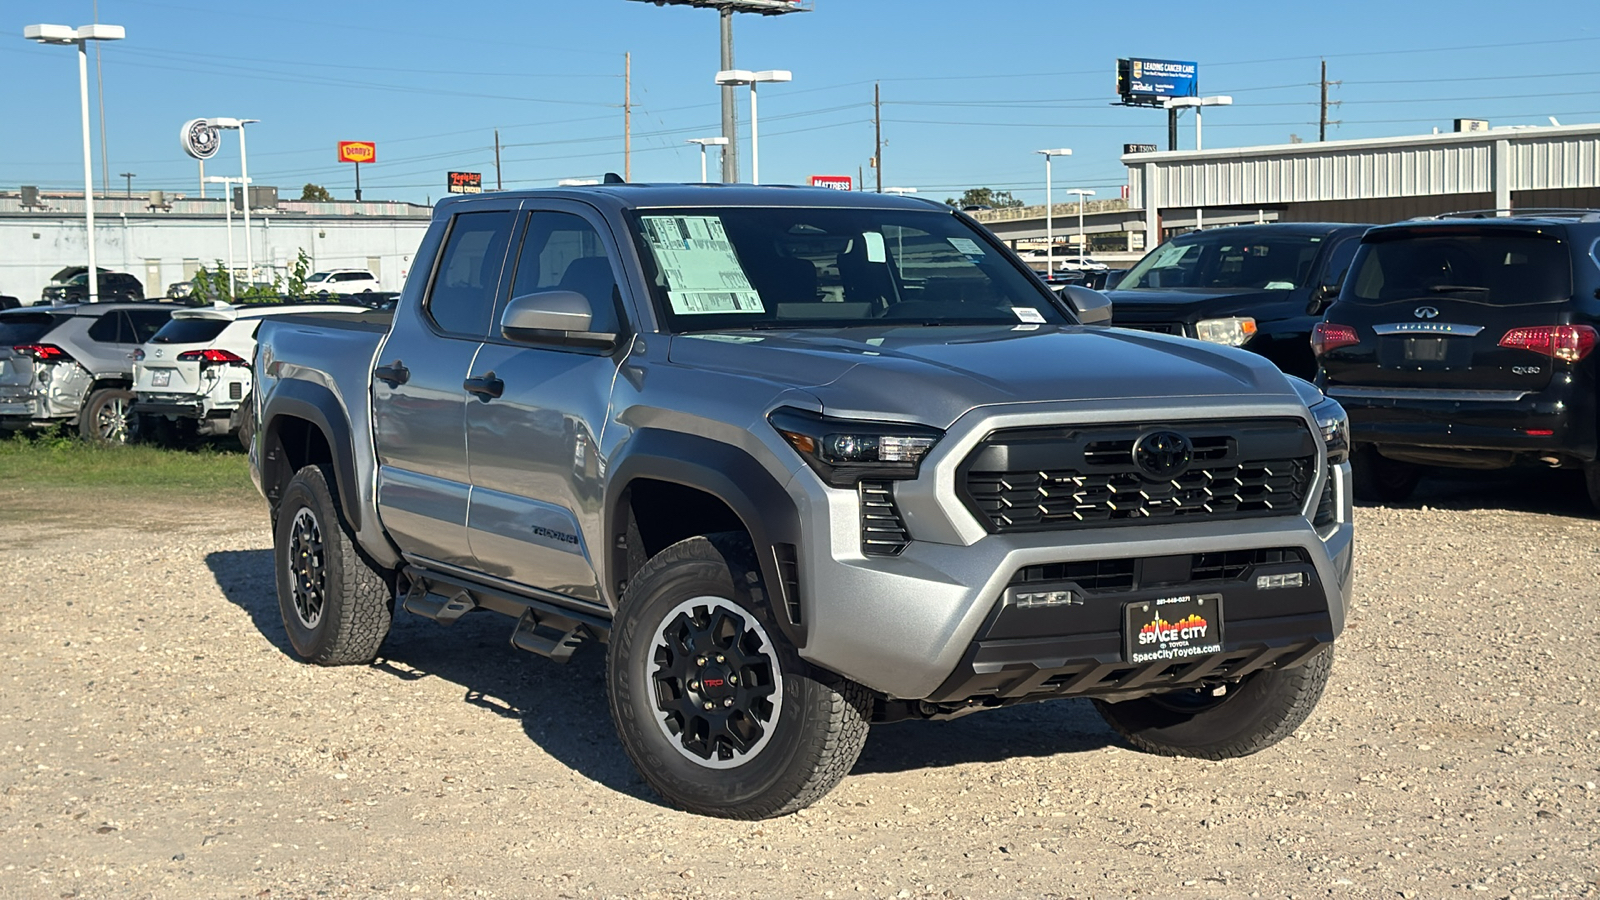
(883,532)
(1093,576)
(1044,479)
(1111,575)
(1326,511)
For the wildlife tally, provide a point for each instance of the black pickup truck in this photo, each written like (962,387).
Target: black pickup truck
(1260,287)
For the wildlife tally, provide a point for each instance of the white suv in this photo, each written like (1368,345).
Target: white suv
(197,367)
(342,281)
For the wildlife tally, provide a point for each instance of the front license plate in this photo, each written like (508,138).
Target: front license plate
(1427,349)
(160,377)
(1175,627)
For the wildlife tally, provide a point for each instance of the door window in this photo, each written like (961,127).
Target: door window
(463,295)
(563,252)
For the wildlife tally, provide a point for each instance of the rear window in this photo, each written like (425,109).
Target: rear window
(1502,268)
(27,328)
(189,331)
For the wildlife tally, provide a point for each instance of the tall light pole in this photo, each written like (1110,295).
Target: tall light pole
(244,190)
(65,34)
(1198,103)
(1083,242)
(706,142)
(227,218)
(744,76)
(1049,212)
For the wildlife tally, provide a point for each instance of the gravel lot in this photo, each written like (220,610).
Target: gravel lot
(157,740)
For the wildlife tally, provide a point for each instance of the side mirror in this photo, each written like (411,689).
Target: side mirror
(553,317)
(1321,299)
(1091,306)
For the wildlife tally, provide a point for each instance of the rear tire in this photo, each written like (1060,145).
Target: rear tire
(335,605)
(1376,477)
(108,417)
(1260,711)
(713,705)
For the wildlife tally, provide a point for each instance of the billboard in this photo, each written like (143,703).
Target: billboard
(1149,81)
(464,183)
(834,182)
(358,151)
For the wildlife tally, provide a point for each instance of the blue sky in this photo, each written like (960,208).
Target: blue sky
(970,90)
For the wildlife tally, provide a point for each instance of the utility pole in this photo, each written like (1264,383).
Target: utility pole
(877,135)
(130,177)
(730,109)
(627,117)
(1323,121)
(497,183)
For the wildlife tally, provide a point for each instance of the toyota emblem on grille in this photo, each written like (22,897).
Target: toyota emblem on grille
(1426,312)
(1163,454)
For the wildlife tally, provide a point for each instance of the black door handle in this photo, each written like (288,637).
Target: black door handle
(486,387)
(394,374)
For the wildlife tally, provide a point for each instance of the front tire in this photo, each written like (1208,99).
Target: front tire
(1375,477)
(335,606)
(108,417)
(1263,709)
(713,705)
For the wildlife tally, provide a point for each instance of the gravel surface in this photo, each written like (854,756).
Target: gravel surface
(158,740)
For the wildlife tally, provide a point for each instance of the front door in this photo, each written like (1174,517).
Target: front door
(418,403)
(535,452)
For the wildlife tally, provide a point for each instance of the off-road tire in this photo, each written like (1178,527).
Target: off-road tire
(351,599)
(1377,478)
(107,417)
(1263,709)
(817,726)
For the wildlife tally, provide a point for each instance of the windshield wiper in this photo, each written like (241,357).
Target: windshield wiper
(1458,289)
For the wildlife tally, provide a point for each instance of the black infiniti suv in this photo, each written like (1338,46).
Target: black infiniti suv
(1467,340)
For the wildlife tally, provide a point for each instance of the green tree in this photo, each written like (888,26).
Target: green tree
(982,196)
(298,270)
(315,192)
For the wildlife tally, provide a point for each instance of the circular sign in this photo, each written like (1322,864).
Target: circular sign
(199,139)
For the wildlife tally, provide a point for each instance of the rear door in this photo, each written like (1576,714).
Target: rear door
(1431,304)
(162,372)
(535,451)
(418,403)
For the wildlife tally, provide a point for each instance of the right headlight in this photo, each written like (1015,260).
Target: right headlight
(1233,331)
(1334,424)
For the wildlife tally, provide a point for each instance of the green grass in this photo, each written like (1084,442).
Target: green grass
(34,463)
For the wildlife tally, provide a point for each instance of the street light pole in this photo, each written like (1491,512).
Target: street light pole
(1049,212)
(704,142)
(227,218)
(244,188)
(63,34)
(1083,241)
(744,76)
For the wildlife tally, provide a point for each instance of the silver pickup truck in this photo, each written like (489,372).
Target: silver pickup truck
(804,461)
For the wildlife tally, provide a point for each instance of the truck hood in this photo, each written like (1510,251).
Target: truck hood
(935,374)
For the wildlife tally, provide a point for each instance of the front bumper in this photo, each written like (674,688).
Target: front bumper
(1493,425)
(919,626)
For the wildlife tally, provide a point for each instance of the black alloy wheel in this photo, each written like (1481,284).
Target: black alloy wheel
(718,687)
(308,570)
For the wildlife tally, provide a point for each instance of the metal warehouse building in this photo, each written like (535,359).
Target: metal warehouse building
(1380,180)
(162,241)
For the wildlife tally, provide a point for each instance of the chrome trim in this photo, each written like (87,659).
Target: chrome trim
(1427,328)
(1396,393)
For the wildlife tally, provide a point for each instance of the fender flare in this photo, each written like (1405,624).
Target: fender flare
(315,404)
(724,471)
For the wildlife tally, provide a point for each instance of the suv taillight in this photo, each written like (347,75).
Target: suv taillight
(212,357)
(1327,336)
(42,352)
(1568,343)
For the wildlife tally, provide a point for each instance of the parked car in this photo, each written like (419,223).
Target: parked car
(805,460)
(114,287)
(1260,287)
(195,371)
(1081,264)
(9,302)
(1103,280)
(180,290)
(342,281)
(73,365)
(1468,342)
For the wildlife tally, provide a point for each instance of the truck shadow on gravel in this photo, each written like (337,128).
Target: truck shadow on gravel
(564,710)
(1544,491)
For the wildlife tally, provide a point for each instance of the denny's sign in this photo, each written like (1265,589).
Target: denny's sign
(358,151)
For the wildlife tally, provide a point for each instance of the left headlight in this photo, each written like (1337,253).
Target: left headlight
(1334,424)
(847,451)
(1233,331)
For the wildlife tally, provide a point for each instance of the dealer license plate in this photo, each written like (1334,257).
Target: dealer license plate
(160,377)
(1174,627)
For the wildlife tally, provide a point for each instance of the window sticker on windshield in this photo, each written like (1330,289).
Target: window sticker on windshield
(1168,255)
(875,248)
(1278,286)
(1028,314)
(702,272)
(966,246)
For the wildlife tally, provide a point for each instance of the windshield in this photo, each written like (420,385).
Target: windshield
(714,269)
(1216,259)
(318,276)
(1502,268)
(82,278)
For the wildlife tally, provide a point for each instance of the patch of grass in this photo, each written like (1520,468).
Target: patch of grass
(30,463)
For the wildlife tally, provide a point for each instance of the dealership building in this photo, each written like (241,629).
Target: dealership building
(161,240)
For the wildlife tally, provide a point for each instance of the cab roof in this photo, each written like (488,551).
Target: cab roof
(646,196)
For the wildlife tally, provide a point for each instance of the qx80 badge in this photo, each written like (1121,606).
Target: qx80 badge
(1163,454)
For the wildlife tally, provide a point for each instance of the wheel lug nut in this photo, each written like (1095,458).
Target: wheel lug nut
(709,704)
(699,660)
(721,658)
(733,679)
(694,685)
(728,702)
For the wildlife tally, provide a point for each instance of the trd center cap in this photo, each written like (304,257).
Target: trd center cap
(716,682)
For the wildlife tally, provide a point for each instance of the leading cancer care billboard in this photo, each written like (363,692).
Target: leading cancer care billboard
(1149,81)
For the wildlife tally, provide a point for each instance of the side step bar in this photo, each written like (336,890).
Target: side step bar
(544,627)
